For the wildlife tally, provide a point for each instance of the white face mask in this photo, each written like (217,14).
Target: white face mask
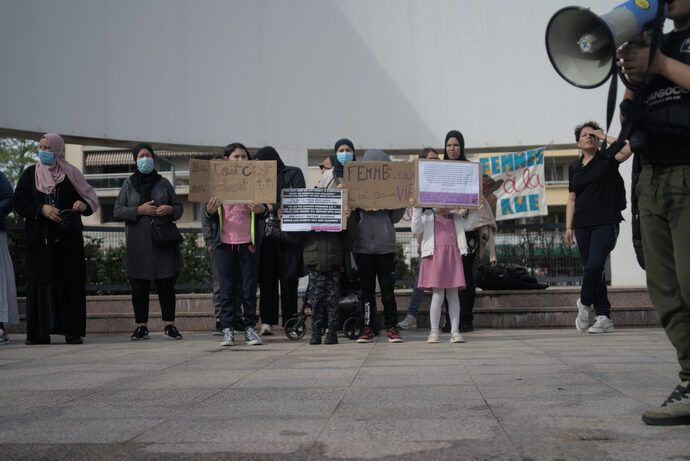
(327,180)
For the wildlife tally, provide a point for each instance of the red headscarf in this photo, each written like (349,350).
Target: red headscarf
(49,176)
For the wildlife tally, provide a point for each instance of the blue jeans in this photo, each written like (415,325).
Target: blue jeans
(238,270)
(595,244)
(415,300)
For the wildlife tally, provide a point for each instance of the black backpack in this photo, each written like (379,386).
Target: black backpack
(502,277)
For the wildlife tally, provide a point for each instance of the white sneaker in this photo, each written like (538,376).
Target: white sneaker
(433,337)
(228,337)
(3,337)
(408,323)
(582,319)
(602,324)
(456,337)
(266,329)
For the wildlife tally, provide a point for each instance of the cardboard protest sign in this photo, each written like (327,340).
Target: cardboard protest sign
(313,210)
(521,191)
(379,185)
(199,185)
(233,181)
(448,184)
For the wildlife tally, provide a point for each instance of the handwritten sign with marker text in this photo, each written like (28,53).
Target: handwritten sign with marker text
(233,181)
(379,185)
(523,187)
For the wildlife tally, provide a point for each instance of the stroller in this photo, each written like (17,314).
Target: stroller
(350,306)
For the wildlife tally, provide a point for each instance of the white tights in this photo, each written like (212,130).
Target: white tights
(453,307)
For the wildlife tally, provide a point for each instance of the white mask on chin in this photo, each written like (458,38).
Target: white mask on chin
(328,180)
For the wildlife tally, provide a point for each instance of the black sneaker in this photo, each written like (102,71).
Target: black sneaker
(171,332)
(331,338)
(140,333)
(74,340)
(367,335)
(218,330)
(394,335)
(315,337)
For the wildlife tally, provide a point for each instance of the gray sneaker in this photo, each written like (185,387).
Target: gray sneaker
(228,337)
(674,411)
(251,338)
(3,337)
(408,323)
(602,324)
(582,319)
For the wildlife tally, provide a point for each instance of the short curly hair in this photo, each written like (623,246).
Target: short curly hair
(578,129)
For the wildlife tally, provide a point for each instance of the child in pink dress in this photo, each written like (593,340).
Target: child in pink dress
(443,243)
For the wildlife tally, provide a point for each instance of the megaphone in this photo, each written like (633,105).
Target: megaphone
(582,46)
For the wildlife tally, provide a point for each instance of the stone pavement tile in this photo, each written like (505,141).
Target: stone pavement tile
(269,402)
(124,404)
(33,429)
(383,405)
(283,449)
(296,378)
(179,377)
(399,376)
(74,380)
(497,448)
(439,427)
(235,428)
(14,402)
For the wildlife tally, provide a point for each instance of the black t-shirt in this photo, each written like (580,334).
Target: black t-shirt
(596,191)
(672,103)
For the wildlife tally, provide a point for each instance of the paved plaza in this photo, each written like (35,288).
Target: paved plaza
(502,395)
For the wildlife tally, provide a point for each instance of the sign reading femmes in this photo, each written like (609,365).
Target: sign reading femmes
(522,191)
(318,209)
(379,185)
(233,181)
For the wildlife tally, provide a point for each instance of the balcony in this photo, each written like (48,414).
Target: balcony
(113,181)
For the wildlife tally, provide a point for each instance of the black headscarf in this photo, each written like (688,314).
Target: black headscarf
(269,153)
(457,135)
(143,183)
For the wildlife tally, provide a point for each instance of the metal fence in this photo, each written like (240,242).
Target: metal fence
(540,248)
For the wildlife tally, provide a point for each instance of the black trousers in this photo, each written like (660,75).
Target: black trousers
(468,294)
(141,290)
(382,267)
(269,279)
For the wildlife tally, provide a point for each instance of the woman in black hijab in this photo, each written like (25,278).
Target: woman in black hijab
(278,260)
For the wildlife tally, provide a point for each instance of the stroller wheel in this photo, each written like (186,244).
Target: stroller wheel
(295,329)
(352,327)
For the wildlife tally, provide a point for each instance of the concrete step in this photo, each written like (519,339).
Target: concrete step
(550,308)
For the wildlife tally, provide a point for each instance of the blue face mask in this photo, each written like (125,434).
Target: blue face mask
(145,165)
(344,157)
(46,158)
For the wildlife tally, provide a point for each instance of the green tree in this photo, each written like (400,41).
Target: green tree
(15,156)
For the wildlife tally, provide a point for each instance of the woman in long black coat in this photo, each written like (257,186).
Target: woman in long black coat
(147,198)
(55,269)
(279,260)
